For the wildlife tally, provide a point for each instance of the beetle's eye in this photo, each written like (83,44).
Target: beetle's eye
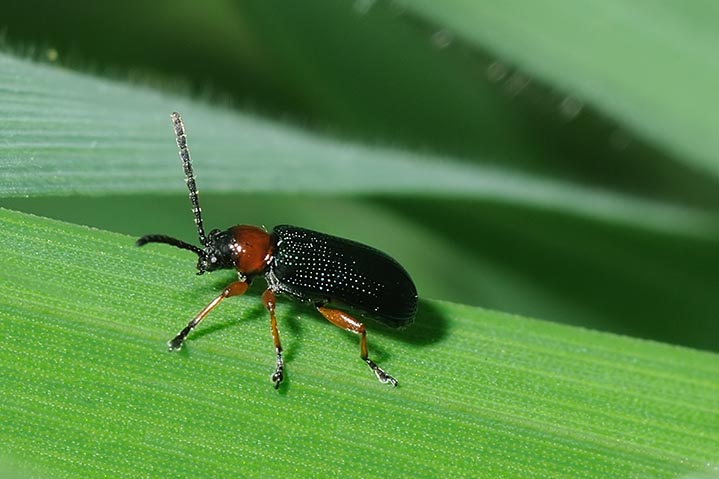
(214,233)
(213,259)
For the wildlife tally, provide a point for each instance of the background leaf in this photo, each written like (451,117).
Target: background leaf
(622,57)
(89,390)
(372,70)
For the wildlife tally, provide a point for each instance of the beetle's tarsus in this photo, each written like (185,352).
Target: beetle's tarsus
(278,375)
(175,344)
(382,376)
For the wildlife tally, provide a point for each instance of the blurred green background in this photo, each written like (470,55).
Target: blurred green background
(604,109)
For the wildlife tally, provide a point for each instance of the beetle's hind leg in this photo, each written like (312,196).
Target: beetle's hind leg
(347,322)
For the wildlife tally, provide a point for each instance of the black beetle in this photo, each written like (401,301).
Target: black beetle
(306,265)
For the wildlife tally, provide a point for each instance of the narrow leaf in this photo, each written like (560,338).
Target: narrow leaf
(90,391)
(65,133)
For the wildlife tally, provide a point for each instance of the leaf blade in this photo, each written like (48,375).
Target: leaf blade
(91,390)
(82,135)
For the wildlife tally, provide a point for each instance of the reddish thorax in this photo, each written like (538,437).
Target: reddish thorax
(252,249)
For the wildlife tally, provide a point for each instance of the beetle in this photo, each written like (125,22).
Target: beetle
(336,275)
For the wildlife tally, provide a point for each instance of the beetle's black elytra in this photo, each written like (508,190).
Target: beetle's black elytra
(307,265)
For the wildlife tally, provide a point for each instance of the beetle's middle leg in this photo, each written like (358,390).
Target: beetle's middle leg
(345,321)
(268,299)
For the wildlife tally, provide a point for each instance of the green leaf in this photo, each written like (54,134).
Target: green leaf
(376,71)
(650,65)
(90,391)
(67,133)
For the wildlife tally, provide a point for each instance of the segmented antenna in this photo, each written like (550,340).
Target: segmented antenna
(171,241)
(189,174)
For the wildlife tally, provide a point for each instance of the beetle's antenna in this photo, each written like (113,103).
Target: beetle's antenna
(189,176)
(201,256)
(171,241)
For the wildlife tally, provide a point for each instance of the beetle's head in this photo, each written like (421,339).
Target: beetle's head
(218,252)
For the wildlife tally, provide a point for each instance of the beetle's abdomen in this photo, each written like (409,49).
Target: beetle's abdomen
(318,267)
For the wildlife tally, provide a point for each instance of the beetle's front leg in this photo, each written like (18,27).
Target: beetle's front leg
(268,299)
(233,289)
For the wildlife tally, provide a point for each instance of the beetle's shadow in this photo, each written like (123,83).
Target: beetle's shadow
(429,325)
(254,313)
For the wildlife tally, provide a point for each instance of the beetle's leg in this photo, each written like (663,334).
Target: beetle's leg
(347,322)
(233,289)
(268,299)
